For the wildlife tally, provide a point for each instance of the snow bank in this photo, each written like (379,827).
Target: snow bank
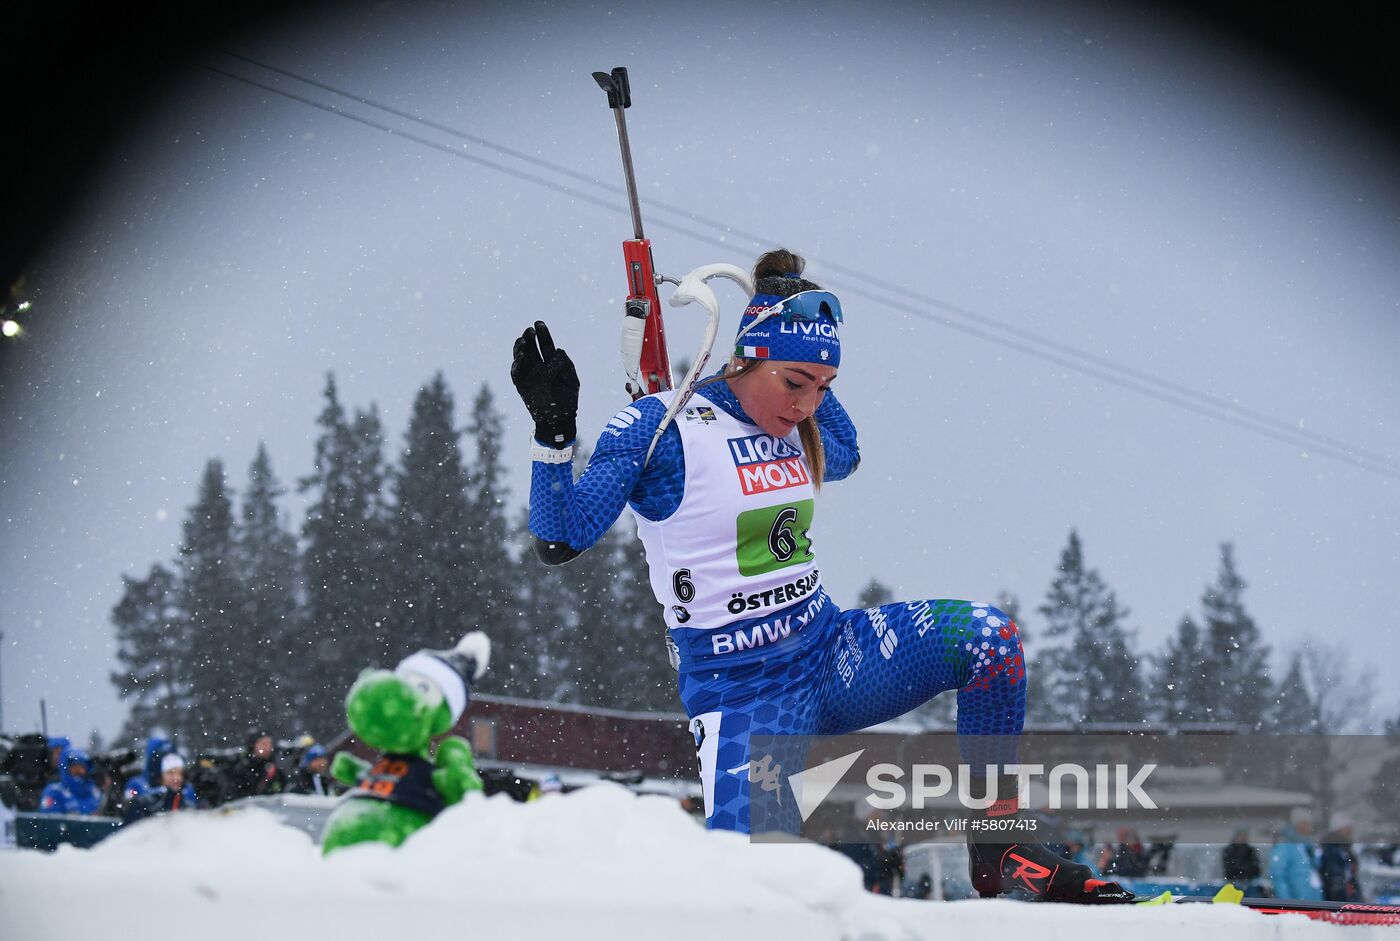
(598,863)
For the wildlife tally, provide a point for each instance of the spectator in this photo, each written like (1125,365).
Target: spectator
(1239,862)
(920,888)
(149,778)
(1337,866)
(311,776)
(880,863)
(1291,864)
(1076,849)
(1130,859)
(863,855)
(73,792)
(58,744)
(256,773)
(171,795)
(102,776)
(886,865)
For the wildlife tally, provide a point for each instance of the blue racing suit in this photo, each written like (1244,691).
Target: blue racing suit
(835,671)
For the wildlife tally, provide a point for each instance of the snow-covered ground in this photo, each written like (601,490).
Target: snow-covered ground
(597,863)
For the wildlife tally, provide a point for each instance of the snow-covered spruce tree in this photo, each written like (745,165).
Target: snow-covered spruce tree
(343,561)
(874,594)
(151,646)
(549,654)
(495,578)
(432,570)
(623,662)
(370,542)
(265,555)
(1294,711)
(211,598)
(1300,750)
(585,608)
(525,640)
(1236,686)
(1176,689)
(1091,671)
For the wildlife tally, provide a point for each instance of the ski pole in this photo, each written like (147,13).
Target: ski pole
(644,355)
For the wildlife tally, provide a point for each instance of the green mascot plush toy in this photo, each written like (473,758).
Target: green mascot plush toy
(399,714)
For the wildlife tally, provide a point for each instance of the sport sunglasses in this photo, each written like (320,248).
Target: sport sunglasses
(807,306)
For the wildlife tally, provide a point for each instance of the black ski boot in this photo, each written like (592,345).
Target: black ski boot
(1031,871)
(1027,870)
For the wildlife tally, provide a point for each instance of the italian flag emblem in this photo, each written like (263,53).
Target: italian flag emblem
(751,352)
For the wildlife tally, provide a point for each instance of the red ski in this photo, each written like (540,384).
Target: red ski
(1337,913)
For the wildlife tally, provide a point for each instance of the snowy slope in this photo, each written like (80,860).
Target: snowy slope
(598,863)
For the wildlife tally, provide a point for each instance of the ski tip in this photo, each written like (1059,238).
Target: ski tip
(1164,899)
(1228,895)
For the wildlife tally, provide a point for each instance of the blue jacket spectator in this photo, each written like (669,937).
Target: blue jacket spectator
(58,744)
(73,792)
(1291,866)
(138,784)
(1077,850)
(311,776)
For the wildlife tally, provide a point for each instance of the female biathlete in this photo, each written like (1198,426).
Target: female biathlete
(724,506)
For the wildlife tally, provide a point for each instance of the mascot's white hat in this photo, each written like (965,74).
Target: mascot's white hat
(452,671)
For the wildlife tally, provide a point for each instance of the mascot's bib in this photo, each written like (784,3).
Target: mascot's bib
(406,780)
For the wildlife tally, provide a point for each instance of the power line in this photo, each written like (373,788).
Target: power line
(426,122)
(1251,419)
(463,155)
(1100,367)
(450,151)
(1343,453)
(968,322)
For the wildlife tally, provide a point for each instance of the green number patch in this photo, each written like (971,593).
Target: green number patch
(774,537)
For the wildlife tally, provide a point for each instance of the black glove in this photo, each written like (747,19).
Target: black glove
(547,382)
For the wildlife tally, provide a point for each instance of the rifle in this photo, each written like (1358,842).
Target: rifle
(644,355)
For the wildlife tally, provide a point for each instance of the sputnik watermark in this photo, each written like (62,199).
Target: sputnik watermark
(953,825)
(1200,786)
(1106,787)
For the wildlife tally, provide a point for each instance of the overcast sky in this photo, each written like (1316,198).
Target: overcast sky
(1144,202)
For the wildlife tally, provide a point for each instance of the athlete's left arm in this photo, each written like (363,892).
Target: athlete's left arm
(838,438)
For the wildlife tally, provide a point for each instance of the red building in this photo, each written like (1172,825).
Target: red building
(522,731)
